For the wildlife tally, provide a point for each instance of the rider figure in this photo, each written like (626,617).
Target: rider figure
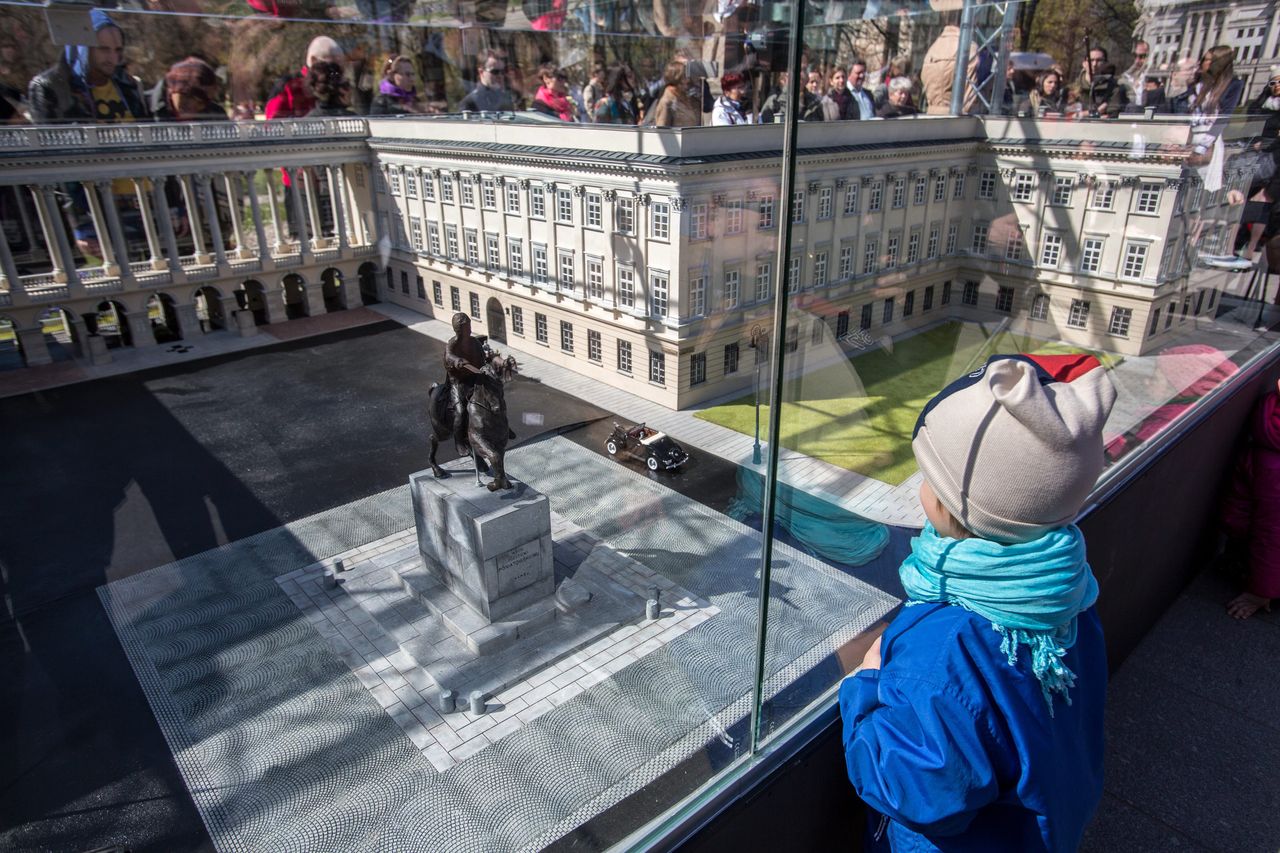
(463,360)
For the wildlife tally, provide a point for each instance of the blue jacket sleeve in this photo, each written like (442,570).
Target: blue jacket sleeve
(917,752)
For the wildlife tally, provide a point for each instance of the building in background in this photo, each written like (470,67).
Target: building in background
(1187,28)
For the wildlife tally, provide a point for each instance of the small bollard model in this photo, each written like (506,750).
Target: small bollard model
(477,702)
(651,609)
(339,566)
(330,579)
(448,701)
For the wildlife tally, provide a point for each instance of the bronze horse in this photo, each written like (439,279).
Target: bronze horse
(487,427)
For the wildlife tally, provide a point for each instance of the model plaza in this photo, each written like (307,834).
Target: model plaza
(325,685)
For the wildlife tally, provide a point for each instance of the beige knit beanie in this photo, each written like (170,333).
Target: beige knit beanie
(1013,449)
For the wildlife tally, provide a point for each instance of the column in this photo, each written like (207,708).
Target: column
(148,224)
(211,213)
(355,221)
(236,207)
(229,309)
(116,232)
(140,329)
(1273,35)
(35,350)
(272,305)
(264,252)
(193,220)
(295,196)
(176,272)
(315,299)
(188,322)
(526,192)
(9,273)
(610,222)
(80,334)
(336,198)
(26,218)
(110,262)
(275,215)
(313,209)
(64,263)
(374,237)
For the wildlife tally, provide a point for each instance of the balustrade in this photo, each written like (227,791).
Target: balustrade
(163,215)
(150,208)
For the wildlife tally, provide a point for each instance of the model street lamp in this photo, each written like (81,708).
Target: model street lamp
(759,341)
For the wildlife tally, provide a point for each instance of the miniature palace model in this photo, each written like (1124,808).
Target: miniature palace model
(641,257)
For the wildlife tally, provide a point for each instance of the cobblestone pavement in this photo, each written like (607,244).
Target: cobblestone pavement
(372,645)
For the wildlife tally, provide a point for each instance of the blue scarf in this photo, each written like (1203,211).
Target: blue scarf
(1031,592)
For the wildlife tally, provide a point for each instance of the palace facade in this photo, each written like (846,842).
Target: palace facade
(649,260)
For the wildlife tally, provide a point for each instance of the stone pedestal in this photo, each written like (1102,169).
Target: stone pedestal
(490,549)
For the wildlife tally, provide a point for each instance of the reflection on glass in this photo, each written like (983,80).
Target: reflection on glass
(967,182)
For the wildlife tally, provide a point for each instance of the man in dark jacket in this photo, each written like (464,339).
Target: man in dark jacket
(89,85)
(1099,86)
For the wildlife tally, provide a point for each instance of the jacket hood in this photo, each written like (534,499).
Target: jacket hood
(77,55)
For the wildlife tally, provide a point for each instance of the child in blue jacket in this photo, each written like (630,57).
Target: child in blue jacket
(976,720)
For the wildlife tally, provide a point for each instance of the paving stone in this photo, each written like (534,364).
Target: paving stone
(427,715)
(384,695)
(470,730)
(470,748)
(439,757)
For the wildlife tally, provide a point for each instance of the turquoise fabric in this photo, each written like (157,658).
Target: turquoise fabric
(824,528)
(1031,592)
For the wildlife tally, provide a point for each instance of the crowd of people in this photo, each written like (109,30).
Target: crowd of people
(92,83)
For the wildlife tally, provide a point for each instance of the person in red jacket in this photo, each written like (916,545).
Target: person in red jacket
(1252,509)
(292,97)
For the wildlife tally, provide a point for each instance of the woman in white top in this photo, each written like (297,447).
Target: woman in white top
(728,108)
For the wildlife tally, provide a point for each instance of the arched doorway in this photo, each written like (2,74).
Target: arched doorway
(495,321)
(163,314)
(252,296)
(295,296)
(112,326)
(368,284)
(331,290)
(209,309)
(62,334)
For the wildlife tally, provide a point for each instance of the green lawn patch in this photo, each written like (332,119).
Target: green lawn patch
(858,414)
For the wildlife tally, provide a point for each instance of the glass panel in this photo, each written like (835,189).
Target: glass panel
(713,339)
(1134,246)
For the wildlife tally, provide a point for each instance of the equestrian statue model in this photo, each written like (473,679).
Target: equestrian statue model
(470,405)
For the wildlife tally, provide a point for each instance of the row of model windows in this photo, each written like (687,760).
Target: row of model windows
(1132,266)
(595,348)
(564,208)
(566,274)
(1022,188)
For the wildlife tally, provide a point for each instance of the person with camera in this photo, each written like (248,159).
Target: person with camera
(1100,88)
